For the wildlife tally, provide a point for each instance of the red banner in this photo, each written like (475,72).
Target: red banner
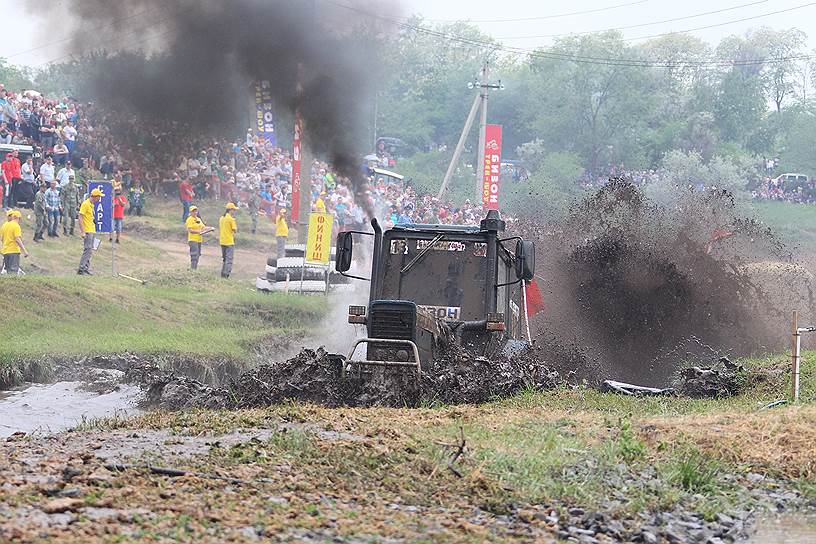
(492,167)
(296,169)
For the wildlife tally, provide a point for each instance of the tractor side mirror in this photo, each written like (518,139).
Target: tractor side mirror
(342,258)
(525,260)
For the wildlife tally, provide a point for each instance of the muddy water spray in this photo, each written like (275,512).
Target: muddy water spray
(627,281)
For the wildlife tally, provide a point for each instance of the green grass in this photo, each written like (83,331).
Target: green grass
(165,217)
(195,315)
(795,223)
(771,382)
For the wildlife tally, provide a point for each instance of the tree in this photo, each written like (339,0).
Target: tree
(778,49)
(797,154)
(739,105)
(423,96)
(681,169)
(594,109)
(551,188)
(15,77)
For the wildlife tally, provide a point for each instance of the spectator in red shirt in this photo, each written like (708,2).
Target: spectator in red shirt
(11,177)
(186,196)
(119,203)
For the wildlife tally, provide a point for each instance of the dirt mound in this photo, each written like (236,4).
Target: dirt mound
(314,376)
(724,379)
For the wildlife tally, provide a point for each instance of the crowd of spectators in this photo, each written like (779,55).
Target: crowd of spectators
(78,142)
(787,188)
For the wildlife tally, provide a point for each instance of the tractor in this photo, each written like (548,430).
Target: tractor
(433,285)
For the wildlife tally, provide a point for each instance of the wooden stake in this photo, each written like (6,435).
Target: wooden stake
(795,357)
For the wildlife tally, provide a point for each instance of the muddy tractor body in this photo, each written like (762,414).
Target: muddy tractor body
(437,285)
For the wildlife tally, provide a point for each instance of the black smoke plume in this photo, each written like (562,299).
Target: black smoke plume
(194,62)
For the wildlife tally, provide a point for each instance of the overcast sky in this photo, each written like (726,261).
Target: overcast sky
(26,42)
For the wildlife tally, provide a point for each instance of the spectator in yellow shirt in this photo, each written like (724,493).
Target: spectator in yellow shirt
(11,236)
(320,204)
(195,228)
(227,227)
(281,232)
(87,228)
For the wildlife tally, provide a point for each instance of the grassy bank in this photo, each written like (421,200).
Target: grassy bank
(162,218)
(185,314)
(794,223)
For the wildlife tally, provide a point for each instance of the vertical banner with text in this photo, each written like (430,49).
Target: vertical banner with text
(492,167)
(296,169)
(318,242)
(103,210)
(264,112)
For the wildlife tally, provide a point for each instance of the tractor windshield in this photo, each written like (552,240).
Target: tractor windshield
(443,276)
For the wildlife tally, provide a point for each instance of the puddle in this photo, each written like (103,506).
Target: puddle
(785,530)
(59,406)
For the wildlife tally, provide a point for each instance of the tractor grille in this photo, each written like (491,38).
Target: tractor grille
(392,319)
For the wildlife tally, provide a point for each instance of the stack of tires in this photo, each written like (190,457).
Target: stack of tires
(285,275)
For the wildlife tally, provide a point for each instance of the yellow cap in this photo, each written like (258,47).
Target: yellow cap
(193,208)
(97,192)
(231,206)
(13,213)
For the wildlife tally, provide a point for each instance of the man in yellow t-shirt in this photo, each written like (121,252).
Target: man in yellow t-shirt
(11,236)
(320,204)
(195,228)
(281,232)
(87,229)
(227,227)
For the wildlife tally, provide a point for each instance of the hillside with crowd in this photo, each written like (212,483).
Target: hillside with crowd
(76,142)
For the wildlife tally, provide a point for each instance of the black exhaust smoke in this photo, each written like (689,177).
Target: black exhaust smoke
(202,56)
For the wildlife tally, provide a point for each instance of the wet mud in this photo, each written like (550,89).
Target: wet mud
(315,376)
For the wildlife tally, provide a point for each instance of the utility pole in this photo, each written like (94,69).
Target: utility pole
(460,145)
(480,101)
(485,86)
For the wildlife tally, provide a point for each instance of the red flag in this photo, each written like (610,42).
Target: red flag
(716,235)
(535,302)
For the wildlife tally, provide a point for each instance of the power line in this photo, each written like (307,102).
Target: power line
(610,61)
(760,16)
(554,55)
(640,25)
(542,17)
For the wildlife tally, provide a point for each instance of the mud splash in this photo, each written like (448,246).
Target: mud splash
(315,376)
(627,280)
